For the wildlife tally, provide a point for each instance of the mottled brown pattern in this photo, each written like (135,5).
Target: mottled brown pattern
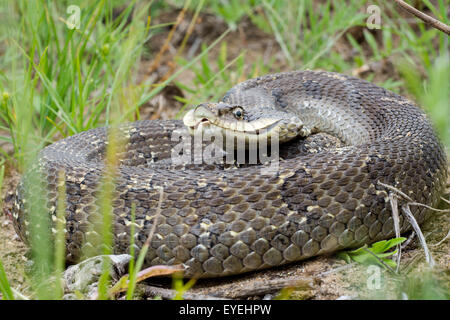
(220,220)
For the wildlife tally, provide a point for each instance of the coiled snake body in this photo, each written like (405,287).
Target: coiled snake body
(220,220)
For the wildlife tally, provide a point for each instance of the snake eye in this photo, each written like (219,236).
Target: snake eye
(238,113)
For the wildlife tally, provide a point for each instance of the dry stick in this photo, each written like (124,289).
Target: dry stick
(154,271)
(412,220)
(380,260)
(412,202)
(261,287)
(338,269)
(428,207)
(189,31)
(411,263)
(442,241)
(396,190)
(415,225)
(410,238)
(18,295)
(166,44)
(164,293)
(395,217)
(255,288)
(424,17)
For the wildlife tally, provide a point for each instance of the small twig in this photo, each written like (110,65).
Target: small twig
(170,294)
(18,295)
(338,269)
(158,112)
(165,46)
(260,287)
(154,271)
(380,260)
(442,241)
(345,297)
(415,225)
(428,207)
(411,263)
(408,241)
(445,200)
(396,190)
(395,217)
(424,17)
(394,207)
(412,220)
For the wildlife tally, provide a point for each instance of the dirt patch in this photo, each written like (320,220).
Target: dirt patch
(12,249)
(12,255)
(258,45)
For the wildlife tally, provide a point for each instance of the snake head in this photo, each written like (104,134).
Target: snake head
(249,123)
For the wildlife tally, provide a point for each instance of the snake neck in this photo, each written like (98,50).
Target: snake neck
(332,120)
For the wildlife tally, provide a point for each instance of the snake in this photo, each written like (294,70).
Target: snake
(219,218)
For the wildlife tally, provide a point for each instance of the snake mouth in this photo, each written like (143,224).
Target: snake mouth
(192,122)
(218,120)
(202,122)
(199,125)
(204,119)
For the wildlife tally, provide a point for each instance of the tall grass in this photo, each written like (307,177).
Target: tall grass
(61,81)
(432,93)
(215,76)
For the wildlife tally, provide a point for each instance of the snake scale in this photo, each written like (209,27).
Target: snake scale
(219,220)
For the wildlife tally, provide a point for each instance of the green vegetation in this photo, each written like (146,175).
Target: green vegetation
(375,254)
(56,81)
(5,288)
